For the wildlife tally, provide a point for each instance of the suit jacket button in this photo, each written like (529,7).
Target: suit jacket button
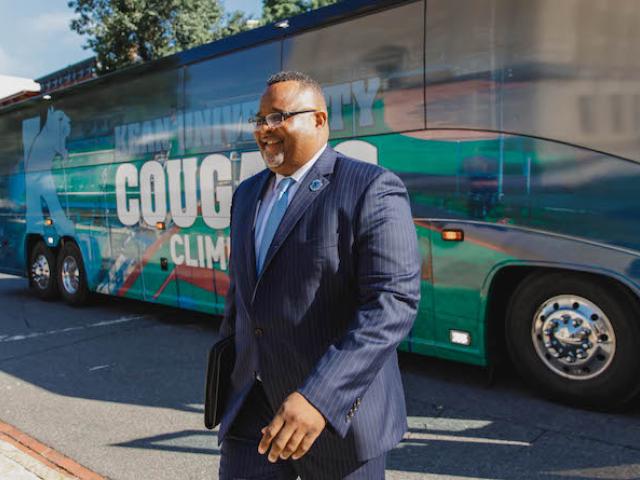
(258,332)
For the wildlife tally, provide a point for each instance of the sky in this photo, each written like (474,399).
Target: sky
(35,38)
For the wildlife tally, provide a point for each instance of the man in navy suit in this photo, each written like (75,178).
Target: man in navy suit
(324,285)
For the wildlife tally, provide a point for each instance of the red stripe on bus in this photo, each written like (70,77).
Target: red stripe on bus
(148,254)
(213,281)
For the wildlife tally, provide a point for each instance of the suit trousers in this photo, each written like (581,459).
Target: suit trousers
(240,459)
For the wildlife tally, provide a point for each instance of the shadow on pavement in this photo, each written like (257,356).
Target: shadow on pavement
(186,441)
(135,353)
(114,350)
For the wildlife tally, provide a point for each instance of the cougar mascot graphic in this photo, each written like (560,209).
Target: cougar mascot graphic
(41,146)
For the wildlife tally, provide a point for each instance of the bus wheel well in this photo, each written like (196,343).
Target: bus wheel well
(31,241)
(68,239)
(33,238)
(503,286)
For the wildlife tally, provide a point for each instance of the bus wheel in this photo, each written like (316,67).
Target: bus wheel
(71,275)
(576,339)
(42,272)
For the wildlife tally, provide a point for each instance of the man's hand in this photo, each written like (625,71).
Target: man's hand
(293,430)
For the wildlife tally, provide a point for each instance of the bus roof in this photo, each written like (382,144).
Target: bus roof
(276,31)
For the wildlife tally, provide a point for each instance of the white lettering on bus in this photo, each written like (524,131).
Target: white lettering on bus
(218,252)
(175,258)
(337,96)
(365,95)
(149,136)
(182,179)
(184,213)
(128,212)
(202,252)
(215,190)
(360,93)
(191,262)
(153,192)
(219,127)
(358,149)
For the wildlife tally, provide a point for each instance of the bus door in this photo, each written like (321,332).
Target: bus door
(461,260)
(492,187)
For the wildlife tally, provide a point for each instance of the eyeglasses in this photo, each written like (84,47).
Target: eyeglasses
(274,119)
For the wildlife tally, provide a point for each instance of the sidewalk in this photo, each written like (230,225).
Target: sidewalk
(24,458)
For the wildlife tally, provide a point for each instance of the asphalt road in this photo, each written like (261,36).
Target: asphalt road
(117,386)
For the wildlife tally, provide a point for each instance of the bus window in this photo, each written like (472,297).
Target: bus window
(220,96)
(371,69)
(548,69)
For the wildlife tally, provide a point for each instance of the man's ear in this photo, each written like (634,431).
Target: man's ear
(321,119)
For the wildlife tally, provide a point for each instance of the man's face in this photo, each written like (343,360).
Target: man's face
(290,145)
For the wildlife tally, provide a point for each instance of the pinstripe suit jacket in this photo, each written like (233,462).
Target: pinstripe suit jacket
(338,291)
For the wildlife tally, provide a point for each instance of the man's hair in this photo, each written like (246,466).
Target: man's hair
(292,76)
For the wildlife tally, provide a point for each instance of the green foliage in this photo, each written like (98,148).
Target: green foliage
(122,32)
(321,3)
(274,10)
(235,22)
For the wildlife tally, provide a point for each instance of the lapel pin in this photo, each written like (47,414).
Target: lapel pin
(315,185)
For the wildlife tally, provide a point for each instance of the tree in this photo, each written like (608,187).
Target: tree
(235,22)
(122,32)
(321,3)
(274,10)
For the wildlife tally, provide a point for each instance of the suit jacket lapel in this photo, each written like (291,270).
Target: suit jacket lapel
(249,232)
(301,201)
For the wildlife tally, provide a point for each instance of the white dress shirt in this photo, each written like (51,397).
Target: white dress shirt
(269,198)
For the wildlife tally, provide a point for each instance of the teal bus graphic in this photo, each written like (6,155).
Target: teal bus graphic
(515,128)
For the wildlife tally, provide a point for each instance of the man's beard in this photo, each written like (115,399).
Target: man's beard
(273,160)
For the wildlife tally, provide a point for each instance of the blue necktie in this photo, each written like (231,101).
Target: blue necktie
(275,217)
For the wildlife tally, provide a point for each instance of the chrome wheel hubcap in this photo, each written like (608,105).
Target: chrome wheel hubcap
(40,272)
(573,337)
(70,275)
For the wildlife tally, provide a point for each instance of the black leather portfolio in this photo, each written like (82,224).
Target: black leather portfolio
(222,357)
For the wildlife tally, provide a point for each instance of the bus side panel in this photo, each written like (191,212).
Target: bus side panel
(420,337)
(12,225)
(86,200)
(514,190)
(12,196)
(373,81)
(110,125)
(220,96)
(544,68)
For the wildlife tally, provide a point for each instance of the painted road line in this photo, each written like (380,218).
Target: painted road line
(105,323)
(402,475)
(37,458)
(412,436)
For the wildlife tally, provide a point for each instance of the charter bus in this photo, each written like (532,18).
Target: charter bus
(514,124)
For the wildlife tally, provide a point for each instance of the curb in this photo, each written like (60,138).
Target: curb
(45,455)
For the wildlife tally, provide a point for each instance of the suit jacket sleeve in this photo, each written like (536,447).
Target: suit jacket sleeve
(388,288)
(227,327)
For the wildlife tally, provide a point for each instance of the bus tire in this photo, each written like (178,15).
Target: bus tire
(576,339)
(72,277)
(42,272)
